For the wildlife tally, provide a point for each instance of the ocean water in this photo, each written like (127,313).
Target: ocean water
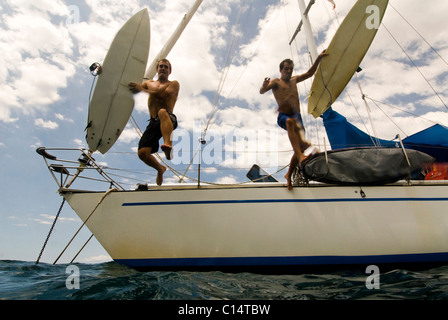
(111,281)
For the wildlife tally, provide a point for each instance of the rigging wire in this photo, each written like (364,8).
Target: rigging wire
(136,127)
(390,118)
(255,50)
(181,176)
(364,97)
(224,74)
(228,60)
(369,112)
(416,31)
(415,65)
(402,110)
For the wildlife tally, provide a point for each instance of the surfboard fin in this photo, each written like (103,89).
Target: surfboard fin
(88,125)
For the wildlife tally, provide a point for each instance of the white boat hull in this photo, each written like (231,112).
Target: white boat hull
(266,226)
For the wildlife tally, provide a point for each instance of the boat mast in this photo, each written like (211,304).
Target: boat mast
(307,26)
(152,69)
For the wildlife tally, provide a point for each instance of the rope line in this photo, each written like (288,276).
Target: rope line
(51,230)
(83,224)
(91,236)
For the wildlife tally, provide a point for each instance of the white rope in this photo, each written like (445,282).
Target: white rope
(99,202)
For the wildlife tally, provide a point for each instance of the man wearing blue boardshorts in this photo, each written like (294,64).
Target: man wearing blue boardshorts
(287,97)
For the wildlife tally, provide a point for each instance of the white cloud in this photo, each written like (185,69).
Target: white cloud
(97,259)
(35,61)
(79,143)
(62,117)
(230,179)
(36,66)
(45,219)
(387,75)
(48,219)
(45,124)
(129,135)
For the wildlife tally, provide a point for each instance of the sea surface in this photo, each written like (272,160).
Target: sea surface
(21,280)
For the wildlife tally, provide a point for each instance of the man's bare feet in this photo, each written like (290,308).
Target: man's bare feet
(288,182)
(309,152)
(302,158)
(168,150)
(160,173)
(305,145)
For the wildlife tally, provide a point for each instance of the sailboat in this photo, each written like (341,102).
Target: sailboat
(262,226)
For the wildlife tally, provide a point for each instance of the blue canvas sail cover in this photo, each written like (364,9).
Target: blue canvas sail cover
(342,134)
(432,141)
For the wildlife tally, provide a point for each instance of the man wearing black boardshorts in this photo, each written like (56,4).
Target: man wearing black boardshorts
(152,134)
(162,98)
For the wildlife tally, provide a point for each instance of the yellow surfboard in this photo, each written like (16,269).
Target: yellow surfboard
(345,53)
(112,102)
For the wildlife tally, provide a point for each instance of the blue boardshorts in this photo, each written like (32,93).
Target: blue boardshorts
(282,117)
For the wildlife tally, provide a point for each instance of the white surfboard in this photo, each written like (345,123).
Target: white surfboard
(112,102)
(345,53)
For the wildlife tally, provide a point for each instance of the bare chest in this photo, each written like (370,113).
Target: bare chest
(286,90)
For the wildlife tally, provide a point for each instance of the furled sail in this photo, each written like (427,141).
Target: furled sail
(366,166)
(342,134)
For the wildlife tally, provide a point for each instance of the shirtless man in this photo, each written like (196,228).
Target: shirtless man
(289,118)
(162,98)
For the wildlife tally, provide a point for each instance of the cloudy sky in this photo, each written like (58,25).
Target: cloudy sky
(227,49)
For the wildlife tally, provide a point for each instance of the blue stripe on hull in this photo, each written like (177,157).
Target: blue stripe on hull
(284,261)
(164,203)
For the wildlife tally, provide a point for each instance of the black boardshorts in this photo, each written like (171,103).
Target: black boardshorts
(152,134)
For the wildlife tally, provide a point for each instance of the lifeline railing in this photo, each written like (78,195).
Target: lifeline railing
(62,166)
